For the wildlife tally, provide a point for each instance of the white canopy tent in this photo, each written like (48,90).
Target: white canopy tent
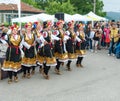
(75,17)
(95,17)
(67,17)
(78,17)
(33,18)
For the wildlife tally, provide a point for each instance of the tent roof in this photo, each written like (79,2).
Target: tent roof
(78,17)
(33,18)
(67,17)
(95,17)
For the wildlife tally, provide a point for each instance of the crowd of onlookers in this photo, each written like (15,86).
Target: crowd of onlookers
(103,35)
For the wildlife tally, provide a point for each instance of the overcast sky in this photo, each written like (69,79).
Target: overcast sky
(111,5)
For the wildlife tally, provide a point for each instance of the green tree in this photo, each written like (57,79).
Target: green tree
(57,6)
(31,2)
(41,4)
(85,6)
(53,7)
(99,8)
(68,6)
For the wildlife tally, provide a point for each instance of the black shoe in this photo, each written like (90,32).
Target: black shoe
(68,68)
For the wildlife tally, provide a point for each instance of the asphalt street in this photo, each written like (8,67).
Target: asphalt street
(99,80)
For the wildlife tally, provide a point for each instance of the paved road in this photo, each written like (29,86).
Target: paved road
(99,80)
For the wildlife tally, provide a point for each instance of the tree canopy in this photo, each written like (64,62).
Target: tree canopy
(57,6)
(68,6)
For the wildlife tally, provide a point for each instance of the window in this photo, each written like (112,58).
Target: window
(15,16)
(8,18)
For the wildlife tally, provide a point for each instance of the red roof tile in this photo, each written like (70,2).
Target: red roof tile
(24,7)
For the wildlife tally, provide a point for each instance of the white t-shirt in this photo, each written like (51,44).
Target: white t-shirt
(92,34)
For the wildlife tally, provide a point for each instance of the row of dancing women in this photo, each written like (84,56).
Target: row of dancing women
(42,45)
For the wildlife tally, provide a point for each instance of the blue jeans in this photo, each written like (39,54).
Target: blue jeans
(111,48)
(90,43)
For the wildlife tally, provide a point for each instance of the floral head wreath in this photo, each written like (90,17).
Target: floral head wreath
(80,25)
(14,27)
(70,23)
(60,22)
(28,24)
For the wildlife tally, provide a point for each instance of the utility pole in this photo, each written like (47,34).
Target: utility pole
(94,6)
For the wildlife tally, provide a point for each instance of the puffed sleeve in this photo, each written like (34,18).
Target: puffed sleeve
(41,41)
(53,37)
(66,38)
(67,33)
(21,46)
(56,32)
(3,41)
(26,44)
(77,33)
(78,39)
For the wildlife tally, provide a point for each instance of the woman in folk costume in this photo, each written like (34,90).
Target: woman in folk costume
(12,64)
(71,43)
(60,47)
(40,45)
(50,60)
(38,28)
(29,48)
(80,46)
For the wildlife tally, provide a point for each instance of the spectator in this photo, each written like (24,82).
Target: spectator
(96,39)
(113,39)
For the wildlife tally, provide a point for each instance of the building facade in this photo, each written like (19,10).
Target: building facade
(9,11)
